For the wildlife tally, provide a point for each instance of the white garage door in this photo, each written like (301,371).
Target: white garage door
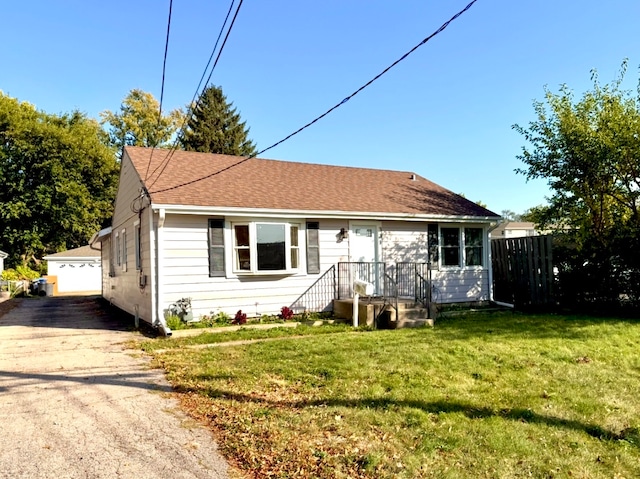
(76,276)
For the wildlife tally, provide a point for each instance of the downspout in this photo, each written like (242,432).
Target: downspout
(492,227)
(160,322)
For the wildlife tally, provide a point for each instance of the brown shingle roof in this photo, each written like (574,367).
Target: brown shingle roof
(284,185)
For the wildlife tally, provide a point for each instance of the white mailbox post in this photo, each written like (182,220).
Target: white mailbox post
(359,287)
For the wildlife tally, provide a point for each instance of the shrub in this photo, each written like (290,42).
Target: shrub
(286,313)
(216,319)
(240,318)
(174,322)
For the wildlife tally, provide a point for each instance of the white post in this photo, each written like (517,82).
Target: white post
(355,309)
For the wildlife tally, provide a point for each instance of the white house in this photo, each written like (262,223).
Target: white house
(514,229)
(254,235)
(76,271)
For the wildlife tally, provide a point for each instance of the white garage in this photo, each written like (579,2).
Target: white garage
(76,271)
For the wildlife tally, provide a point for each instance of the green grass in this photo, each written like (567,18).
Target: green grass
(481,396)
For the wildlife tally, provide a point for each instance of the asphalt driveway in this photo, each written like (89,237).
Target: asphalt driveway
(74,403)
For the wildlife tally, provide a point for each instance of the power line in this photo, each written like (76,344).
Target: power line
(193,107)
(346,99)
(164,69)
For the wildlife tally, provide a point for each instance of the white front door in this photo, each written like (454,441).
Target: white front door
(363,243)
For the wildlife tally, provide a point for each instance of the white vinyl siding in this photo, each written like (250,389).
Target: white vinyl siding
(409,242)
(186,268)
(122,288)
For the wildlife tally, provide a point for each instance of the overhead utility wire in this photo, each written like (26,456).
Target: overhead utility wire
(193,107)
(164,69)
(442,27)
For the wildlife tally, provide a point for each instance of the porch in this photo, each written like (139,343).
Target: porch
(401,294)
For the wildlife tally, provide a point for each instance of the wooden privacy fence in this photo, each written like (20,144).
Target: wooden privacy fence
(523,271)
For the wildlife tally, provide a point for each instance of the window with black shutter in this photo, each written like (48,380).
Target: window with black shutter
(313,247)
(216,248)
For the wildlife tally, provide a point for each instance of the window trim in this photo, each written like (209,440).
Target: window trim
(234,271)
(462,247)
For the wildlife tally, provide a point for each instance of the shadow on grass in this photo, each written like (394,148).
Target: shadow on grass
(630,435)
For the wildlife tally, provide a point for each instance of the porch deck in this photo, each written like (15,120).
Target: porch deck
(379,313)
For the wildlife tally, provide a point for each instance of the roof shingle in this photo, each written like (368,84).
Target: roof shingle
(205,179)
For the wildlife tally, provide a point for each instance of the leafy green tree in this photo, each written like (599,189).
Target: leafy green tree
(588,150)
(215,127)
(137,123)
(58,178)
(510,215)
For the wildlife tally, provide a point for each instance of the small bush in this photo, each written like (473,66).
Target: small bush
(286,313)
(216,319)
(240,318)
(174,322)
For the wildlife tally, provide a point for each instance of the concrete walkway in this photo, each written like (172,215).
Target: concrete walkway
(74,403)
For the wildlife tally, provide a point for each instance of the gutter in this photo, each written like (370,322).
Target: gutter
(320,214)
(98,236)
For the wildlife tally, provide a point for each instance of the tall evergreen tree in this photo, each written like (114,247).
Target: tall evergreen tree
(215,127)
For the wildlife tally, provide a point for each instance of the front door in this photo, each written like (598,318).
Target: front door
(363,244)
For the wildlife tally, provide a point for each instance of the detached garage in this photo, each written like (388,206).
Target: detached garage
(76,271)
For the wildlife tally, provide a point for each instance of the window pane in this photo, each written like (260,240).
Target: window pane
(450,237)
(242,235)
(473,256)
(451,256)
(270,242)
(473,246)
(294,258)
(450,246)
(243,258)
(473,236)
(294,235)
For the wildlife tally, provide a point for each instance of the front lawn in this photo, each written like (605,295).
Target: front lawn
(480,396)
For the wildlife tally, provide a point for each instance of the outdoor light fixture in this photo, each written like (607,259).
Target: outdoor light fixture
(342,234)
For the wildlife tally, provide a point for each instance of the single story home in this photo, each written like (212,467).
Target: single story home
(75,271)
(514,229)
(251,234)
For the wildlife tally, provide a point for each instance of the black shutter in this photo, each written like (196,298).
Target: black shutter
(216,248)
(313,247)
(434,250)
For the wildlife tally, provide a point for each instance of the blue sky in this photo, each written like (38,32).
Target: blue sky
(445,112)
